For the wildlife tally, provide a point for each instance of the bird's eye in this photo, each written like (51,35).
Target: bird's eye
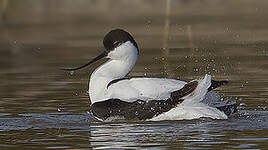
(116,43)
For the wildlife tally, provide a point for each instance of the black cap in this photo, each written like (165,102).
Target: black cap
(117,37)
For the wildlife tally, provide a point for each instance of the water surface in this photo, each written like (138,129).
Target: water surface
(42,107)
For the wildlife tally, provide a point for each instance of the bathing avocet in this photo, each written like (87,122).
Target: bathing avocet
(114,95)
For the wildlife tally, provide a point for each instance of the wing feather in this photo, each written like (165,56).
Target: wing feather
(131,89)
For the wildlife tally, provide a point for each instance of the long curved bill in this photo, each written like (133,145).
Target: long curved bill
(103,54)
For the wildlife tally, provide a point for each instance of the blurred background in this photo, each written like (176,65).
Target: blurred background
(182,39)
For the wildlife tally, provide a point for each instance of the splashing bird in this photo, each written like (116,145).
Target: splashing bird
(115,95)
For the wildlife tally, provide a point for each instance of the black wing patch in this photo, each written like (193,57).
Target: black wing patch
(186,90)
(140,109)
(215,84)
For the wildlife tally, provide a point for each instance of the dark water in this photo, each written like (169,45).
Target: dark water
(42,107)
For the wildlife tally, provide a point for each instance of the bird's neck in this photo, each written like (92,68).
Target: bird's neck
(104,74)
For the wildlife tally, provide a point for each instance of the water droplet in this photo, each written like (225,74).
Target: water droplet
(242,104)
(237,35)
(72,73)
(140,102)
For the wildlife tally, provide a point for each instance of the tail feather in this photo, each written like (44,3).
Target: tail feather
(199,93)
(192,107)
(215,84)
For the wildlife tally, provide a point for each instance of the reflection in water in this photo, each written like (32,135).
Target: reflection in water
(63,130)
(40,37)
(187,134)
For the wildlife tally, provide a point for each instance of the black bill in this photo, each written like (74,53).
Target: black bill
(104,54)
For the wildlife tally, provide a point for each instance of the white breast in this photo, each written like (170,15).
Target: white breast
(122,60)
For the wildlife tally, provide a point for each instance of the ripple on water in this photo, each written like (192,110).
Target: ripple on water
(54,127)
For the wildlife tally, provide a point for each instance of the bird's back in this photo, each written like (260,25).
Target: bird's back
(143,88)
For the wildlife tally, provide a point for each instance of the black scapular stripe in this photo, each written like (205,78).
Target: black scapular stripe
(125,78)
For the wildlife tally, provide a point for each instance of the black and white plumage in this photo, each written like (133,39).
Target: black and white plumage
(113,95)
